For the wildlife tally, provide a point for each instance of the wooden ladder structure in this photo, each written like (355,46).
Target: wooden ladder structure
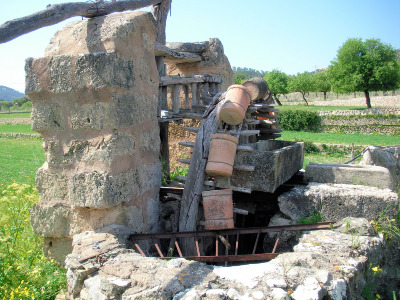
(259,124)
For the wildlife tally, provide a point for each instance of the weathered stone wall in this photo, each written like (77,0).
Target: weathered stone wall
(214,61)
(94,99)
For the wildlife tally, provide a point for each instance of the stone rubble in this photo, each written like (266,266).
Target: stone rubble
(326,264)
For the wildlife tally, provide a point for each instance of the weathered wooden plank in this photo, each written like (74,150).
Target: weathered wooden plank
(173,56)
(194,94)
(205,91)
(243,132)
(186,92)
(191,129)
(196,174)
(270,130)
(176,79)
(241,189)
(187,144)
(184,160)
(240,211)
(251,121)
(194,116)
(176,90)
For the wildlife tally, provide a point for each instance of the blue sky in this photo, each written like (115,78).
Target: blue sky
(290,35)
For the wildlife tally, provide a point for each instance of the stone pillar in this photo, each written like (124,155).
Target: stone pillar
(94,97)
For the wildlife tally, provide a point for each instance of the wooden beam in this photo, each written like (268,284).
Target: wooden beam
(196,174)
(57,13)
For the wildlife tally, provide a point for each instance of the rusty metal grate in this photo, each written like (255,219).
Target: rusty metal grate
(196,235)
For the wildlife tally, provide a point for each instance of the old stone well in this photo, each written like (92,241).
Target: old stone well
(95,101)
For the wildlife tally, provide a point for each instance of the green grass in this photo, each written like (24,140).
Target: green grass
(16,115)
(19,160)
(318,108)
(326,158)
(342,138)
(16,128)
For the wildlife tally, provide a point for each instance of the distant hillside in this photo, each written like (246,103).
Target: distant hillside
(9,94)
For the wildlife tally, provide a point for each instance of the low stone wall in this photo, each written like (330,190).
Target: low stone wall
(380,121)
(16,121)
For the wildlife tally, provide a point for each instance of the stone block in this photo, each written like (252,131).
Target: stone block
(123,111)
(275,162)
(51,186)
(338,201)
(51,219)
(379,177)
(57,248)
(103,190)
(388,157)
(99,70)
(47,116)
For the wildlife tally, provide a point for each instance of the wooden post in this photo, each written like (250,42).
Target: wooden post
(194,94)
(186,91)
(205,89)
(195,179)
(175,92)
(212,88)
(160,13)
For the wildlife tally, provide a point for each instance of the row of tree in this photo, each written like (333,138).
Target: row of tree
(19,104)
(360,66)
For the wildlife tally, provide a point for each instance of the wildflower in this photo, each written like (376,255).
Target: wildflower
(376,269)
(378,296)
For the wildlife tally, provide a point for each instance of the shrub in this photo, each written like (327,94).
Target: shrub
(24,272)
(298,120)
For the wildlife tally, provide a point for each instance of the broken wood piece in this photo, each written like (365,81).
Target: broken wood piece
(174,196)
(175,93)
(192,115)
(267,116)
(270,130)
(242,133)
(187,144)
(240,211)
(240,189)
(191,129)
(184,160)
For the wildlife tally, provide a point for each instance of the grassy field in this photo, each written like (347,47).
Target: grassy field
(342,138)
(15,115)
(19,160)
(16,128)
(318,108)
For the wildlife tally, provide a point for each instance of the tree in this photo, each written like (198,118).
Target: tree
(277,83)
(365,66)
(239,78)
(321,82)
(302,83)
(4,105)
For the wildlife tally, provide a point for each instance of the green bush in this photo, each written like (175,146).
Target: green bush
(300,120)
(24,272)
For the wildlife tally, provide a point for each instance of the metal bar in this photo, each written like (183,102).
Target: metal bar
(255,244)
(140,250)
(177,248)
(276,242)
(299,227)
(228,258)
(157,247)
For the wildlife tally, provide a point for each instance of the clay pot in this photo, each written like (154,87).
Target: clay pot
(218,209)
(257,87)
(237,101)
(221,155)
